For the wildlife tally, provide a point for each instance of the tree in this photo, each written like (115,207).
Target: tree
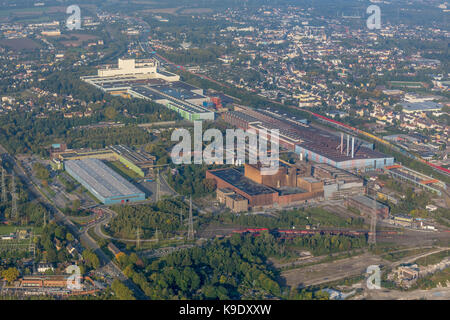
(76,205)
(69,237)
(110,113)
(91,259)
(121,291)
(10,274)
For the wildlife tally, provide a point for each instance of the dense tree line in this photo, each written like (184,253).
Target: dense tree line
(233,268)
(46,249)
(326,244)
(103,137)
(164,216)
(191,180)
(293,218)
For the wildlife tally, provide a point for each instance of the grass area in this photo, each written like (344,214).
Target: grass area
(102,243)
(82,219)
(298,218)
(69,185)
(395,256)
(433,258)
(120,168)
(8,229)
(384,248)
(326,218)
(49,191)
(328,258)
(160,244)
(344,282)
(433,280)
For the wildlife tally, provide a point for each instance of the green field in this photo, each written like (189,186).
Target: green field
(122,170)
(4,230)
(395,256)
(433,258)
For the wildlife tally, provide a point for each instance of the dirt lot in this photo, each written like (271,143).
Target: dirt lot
(164,10)
(79,41)
(196,10)
(330,271)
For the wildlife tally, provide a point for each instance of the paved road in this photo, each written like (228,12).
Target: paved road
(109,266)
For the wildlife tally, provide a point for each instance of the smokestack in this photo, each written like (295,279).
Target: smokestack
(353,147)
(342,142)
(348,144)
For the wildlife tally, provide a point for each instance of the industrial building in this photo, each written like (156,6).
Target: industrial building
(416,178)
(138,161)
(79,154)
(338,183)
(127,69)
(368,206)
(284,188)
(233,179)
(143,79)
(103,182)
(310,142)
(425,106)
(175,101)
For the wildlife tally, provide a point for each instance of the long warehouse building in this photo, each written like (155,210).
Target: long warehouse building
(311,142)
(103,182)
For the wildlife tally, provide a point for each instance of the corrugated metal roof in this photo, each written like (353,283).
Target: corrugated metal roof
(102,179)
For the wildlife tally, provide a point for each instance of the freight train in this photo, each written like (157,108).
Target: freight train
(292,233)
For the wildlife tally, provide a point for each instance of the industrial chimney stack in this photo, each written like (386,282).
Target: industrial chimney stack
(348,144)
(353,147)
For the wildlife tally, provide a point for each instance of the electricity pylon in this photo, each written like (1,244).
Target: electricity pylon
(190,222)
(4,197)
(13,197)
(138,237)
(373,225)
(158,186)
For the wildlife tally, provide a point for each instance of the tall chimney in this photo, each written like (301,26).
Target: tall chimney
(348,144)
(342,142)
(353,147)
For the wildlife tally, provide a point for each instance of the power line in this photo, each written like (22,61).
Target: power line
(373,225)
(190,222)
(138,237)
(14,197)
(4,197)
(158,186)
